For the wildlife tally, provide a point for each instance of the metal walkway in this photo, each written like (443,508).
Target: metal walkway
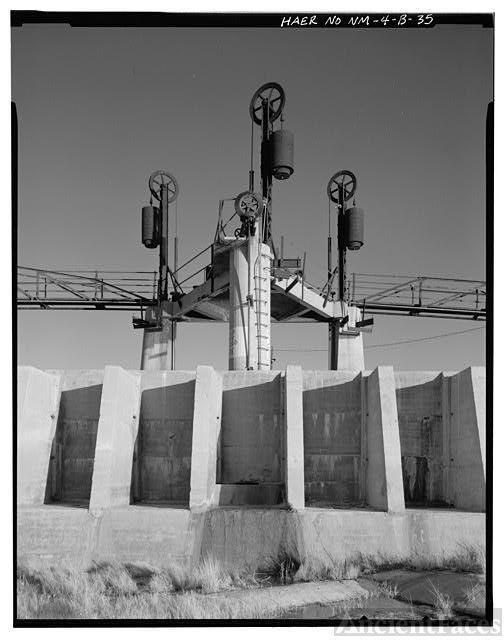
(293,298)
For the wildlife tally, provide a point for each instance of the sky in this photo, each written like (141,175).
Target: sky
(100,109)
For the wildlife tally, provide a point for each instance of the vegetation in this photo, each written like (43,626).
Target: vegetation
(113,590)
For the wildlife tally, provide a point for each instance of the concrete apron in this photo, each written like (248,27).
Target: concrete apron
(250,538)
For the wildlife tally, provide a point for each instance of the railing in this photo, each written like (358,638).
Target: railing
(85,288)
(424,294)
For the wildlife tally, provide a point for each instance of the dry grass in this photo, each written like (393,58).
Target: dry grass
(113,590)
(443,605)
(475,596)
(108,591)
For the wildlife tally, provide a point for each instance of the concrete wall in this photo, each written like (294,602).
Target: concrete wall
(162,457)
(165,439)
(250,444)
(73,449)
(420,414)
(237,537)
(442,431)
(333,428)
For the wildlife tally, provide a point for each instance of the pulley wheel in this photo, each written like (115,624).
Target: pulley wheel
(159,178)
(248,205)
(274,94)
(345,178)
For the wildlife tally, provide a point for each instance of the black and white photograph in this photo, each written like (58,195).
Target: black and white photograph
(253,326)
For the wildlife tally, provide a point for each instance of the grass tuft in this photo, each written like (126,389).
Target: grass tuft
(443,605)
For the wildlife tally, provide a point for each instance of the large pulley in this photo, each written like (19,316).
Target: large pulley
(160,178)
(273,93)
(342,179)
(249,206)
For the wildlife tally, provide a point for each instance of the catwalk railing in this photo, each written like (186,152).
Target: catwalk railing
(424,296)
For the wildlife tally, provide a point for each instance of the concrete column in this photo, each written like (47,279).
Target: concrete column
(206,429)
(242,310)
(468,439)
(262,272)
(350,347)
(157,346)
(384,483)
(294,476)
(115,439)
(38,396)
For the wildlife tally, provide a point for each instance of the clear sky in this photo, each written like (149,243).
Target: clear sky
(100,109)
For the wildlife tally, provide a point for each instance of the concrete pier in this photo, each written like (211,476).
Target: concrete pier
(37,412)
(117,432)
(158,346)
(249,306)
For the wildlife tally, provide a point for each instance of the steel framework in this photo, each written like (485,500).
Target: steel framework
(132,290)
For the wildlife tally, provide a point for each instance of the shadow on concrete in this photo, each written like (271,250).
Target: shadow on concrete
(161,472)
(333,462)
(71,464)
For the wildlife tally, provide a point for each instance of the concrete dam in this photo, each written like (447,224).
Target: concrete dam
(165,466)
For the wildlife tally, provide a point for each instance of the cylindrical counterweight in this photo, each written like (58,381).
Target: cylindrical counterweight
(149,227)
(354,228)
(282,154)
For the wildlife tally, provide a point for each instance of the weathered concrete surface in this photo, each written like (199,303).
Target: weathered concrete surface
(72,458)
(206,431)
(251,537)
(249,494)
(242,315)
(37,411)
(332,535)
(51,533)
(117,432)
(468,440)
(351,348)
(294,457)
(157,346)
(420,414)
(162,461)
(161,536)
(332,417)
(250,448)
(296,595)
(240,537)
(254,537)
(437,532)
(384,486)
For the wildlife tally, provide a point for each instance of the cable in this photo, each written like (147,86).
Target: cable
(441,335)
(388,344)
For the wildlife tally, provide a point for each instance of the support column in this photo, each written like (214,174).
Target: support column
(294,444)
(206,429)
(384,483)
(242,311)
(263,306)
(38,396)
(157,346)
(468,439)
(115,439)
(346,352)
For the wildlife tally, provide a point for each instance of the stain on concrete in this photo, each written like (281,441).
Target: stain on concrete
(332,419)
(71,464)
(162,456)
